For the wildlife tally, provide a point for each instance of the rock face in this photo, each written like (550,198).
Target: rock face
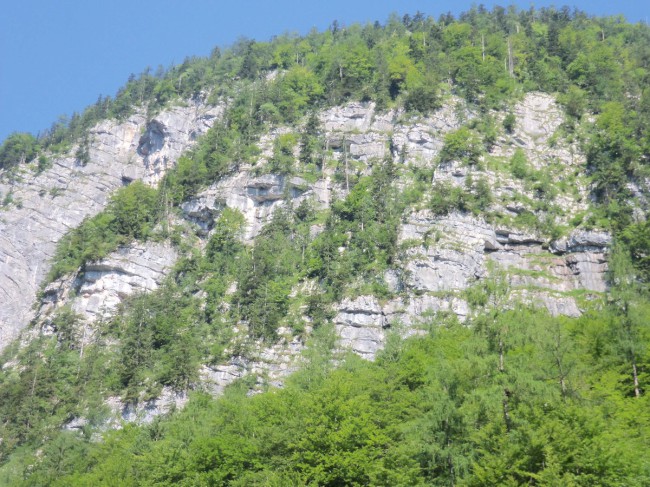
(170,133)
(256,197)
(447,255)
(360,324)
(582,241)
(441,257)
(136,268)
(538,117)
(269,364)
(49,204)
(362,133)
(132,269)
(144,412)
(444,256)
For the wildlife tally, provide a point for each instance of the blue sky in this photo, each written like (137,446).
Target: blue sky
(56,57)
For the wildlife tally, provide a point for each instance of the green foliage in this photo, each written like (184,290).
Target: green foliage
(461,145)
(423,97)
(131,214)
(159,338)
(188,177)
(486,126)
(134,210)
(637,239)
(282,161)
(222,256)
(611,156)
(43,164)
(360,237)
(512,397)
(66,326)
(588,60)
(17,149)
(445,198)
(516,398)
(298,89)
(272,271)
(475,197)
(58,379)
(574,101)
(82,153)
(7,200)
(223,243)
(509,122)
(91,241)
(312,145)
(519,166)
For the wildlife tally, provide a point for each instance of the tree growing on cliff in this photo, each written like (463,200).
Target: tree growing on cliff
(18,149)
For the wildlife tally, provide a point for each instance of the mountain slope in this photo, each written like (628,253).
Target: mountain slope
(331,197)
(48,204)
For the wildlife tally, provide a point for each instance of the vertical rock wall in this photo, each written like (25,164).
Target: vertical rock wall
(49,204)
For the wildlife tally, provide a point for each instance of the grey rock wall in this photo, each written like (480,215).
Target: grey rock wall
(96,294)
(270,364)
(256,197)
(170,133)
(441,258)
(449,254)
(47,205)
(444,255)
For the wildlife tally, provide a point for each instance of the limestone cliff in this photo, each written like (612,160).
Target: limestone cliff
(49,204)
(441,256)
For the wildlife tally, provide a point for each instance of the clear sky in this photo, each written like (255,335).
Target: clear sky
(56,57)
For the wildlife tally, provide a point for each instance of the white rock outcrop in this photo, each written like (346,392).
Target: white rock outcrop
(49,204)
(270,364)
(170,133)
(256,197)
(446,255)
(136,268)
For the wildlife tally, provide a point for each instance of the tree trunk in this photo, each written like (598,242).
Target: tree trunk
(502,367)
(483,46)
(511,61)
(450,462)
(561,375)
(34,382)
(345,157)
(81,351)
(628,331)
(637,391)
(506,409)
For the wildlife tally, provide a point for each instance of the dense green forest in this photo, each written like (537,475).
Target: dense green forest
(516,398)
(512,396)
